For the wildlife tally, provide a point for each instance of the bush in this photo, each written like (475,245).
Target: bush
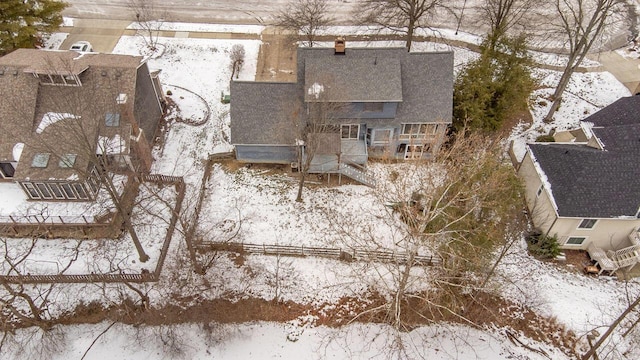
(545,138)
(543,246)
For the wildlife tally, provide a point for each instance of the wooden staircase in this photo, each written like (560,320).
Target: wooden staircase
(357,173)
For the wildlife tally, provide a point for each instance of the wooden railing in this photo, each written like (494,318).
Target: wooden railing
(385,256)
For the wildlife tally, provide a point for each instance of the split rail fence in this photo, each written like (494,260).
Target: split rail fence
(386,256)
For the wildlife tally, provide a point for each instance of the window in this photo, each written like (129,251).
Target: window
(381,137)
(350,131)
(413,152)
(67,160)
(82,194)
(575,240)
(373,107)
(55,190)
(539,192)
(112,119)
(587,223)
(7,170)
(40,160)
(31,190)
(68,191)
(44,191)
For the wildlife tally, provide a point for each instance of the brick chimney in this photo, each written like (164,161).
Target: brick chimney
(339,46)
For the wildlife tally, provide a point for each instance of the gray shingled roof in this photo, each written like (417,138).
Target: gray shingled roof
(261,113)
(345,79)
(422,81)
(427,79)
(588,182)
(623,111)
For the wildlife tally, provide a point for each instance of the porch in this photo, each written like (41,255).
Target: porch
(348,160)
(623,259)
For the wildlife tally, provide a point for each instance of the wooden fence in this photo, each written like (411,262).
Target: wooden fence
(386,256)
(114,278)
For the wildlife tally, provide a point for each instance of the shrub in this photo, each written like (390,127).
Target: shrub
(543,246)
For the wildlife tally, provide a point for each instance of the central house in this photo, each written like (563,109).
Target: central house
(359,103)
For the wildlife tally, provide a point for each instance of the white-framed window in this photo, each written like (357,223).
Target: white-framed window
(68,191)
(31,190)
(350,131)
(413,152)
(55,190)
(539,192)
(587,223)
(381,136)
(44,191)
(56,79)
(575,240)
(417,130)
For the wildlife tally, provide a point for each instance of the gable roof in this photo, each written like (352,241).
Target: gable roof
(421,83)
(589,182)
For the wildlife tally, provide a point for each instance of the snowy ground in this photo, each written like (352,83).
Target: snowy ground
(264,204)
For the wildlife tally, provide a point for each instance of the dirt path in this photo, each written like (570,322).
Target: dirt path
(277,57)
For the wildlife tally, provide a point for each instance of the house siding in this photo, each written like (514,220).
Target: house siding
(541,209)
(268,154)
(608,234)
(357,110)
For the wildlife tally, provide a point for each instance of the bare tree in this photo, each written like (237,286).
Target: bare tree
(581,23)
(72,136)
(316,127)
(304,17)
(504,15)
(237,59)
(403,16)
(149,19)
(463,208)
(23,304)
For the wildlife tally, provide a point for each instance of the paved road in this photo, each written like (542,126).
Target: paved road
(277,58)
(219,12)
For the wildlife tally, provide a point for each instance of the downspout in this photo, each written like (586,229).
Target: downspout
(551,227)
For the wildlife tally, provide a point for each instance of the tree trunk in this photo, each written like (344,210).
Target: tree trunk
(410,30)
(303,175)
(126,217)
(606,335)
(562,85)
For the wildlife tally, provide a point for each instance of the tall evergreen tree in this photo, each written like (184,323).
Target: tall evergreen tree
(23,22)
(494,87)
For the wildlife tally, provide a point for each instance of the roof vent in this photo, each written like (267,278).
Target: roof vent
(15,72)
(1,71)
(121,99)
(340,46)
(104,73)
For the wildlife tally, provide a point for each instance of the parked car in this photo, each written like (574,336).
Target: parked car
(82,46)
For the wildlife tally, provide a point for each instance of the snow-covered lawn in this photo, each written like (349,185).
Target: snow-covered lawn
(264,205)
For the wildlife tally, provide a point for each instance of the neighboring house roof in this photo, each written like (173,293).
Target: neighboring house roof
(589,182)
(623,111)
(421,83)
(62,120)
